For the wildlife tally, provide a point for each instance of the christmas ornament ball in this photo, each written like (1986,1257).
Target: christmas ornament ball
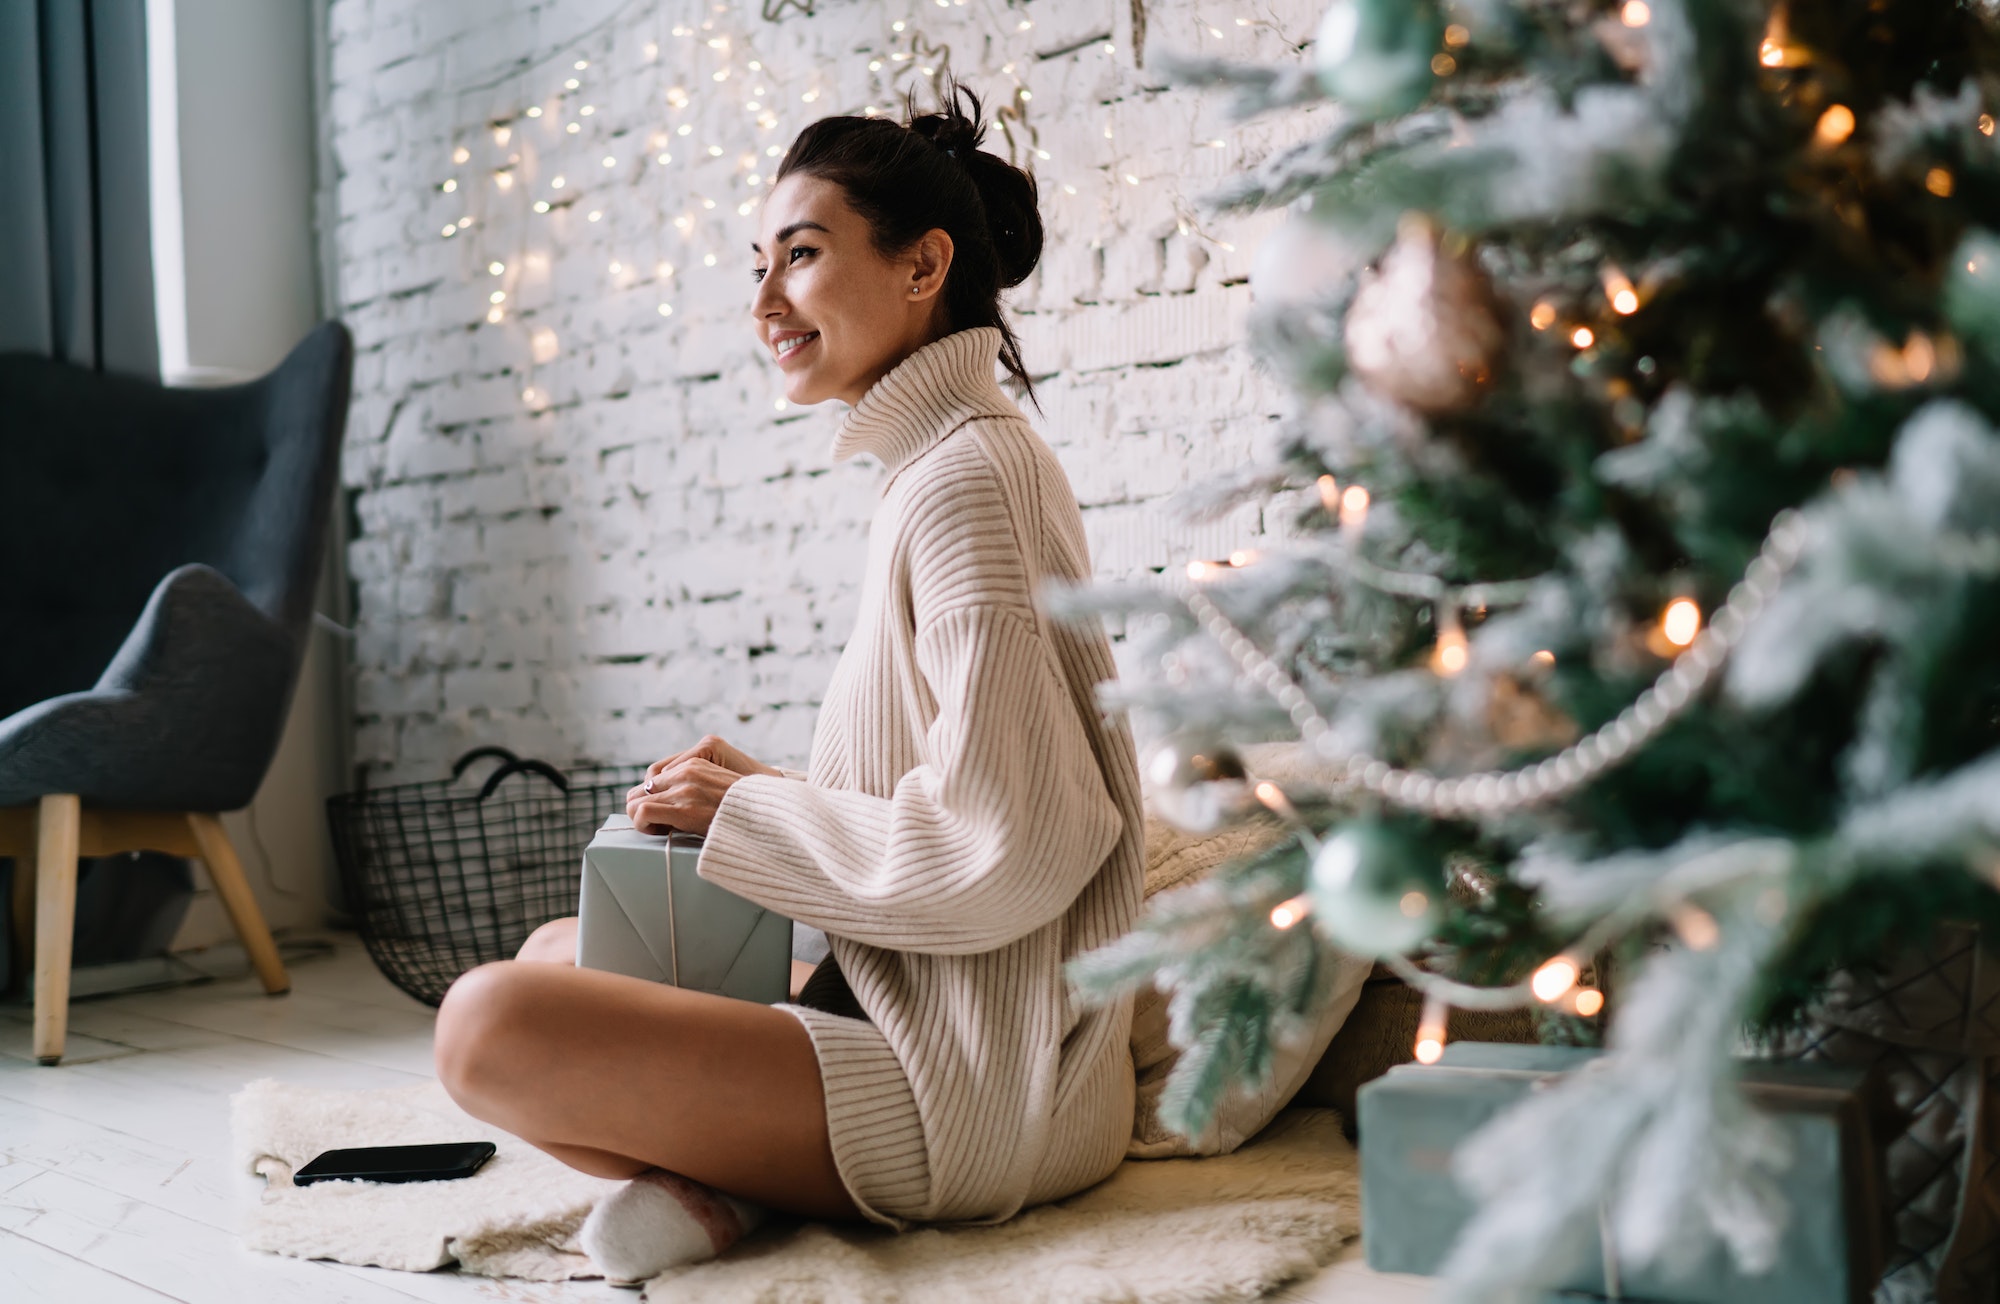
(1425,327)
(1374,56)
(1196,782)
(1374,891)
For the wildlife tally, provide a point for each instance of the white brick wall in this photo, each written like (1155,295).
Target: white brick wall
(586,531)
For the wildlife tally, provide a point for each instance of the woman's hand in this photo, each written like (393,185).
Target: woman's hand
(718,752)
(682,791)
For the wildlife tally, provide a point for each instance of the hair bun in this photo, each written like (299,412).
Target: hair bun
(1008,193)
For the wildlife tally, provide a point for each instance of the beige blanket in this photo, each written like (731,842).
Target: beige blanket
(1227,1228)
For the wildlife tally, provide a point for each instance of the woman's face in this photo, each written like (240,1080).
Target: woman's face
(835,314)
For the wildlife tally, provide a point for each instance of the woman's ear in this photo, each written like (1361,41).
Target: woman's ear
(930,262)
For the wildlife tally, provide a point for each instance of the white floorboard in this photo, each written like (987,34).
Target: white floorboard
(116,1179)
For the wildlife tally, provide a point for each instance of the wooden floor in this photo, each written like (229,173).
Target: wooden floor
(115,1177)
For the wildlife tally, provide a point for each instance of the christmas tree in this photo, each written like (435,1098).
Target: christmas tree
(1642,609)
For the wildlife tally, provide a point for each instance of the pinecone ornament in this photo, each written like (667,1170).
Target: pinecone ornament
(1425,328)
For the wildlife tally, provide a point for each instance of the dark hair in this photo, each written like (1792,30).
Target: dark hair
(906,178)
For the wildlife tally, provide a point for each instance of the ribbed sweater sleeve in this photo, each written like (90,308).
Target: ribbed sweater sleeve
(988,840)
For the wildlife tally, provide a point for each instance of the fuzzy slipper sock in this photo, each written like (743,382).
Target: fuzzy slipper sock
(661,1220)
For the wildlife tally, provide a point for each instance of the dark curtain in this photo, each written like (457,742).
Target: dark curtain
(76,264)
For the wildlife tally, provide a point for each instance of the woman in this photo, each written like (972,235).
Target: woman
(969,820)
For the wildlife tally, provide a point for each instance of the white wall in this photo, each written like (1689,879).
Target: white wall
(589,530)
(244,290)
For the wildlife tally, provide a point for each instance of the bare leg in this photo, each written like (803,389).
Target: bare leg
(613,1075)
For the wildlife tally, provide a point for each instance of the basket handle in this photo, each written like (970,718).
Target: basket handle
(543,768)
(479,753)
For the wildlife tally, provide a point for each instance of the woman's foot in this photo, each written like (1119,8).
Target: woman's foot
(661,1220)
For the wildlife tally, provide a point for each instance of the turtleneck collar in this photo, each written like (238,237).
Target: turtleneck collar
(924,397)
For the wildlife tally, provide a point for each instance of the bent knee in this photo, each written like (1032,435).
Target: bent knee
(552,943)
(482,1013)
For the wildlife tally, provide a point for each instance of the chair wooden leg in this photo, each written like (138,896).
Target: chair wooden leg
(57,827)
(226,871)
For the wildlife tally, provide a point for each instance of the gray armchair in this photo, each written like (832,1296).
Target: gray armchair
(159,549)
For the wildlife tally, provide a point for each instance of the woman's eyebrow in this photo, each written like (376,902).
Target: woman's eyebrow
(788,232)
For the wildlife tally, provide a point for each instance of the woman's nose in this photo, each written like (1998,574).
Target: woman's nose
(769,301)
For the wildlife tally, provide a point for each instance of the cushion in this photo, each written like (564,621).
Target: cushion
(1175,859)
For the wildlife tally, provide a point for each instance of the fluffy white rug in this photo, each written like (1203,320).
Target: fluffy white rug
(1163,1231)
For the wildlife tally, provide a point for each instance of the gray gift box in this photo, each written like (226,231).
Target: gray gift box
(647,913)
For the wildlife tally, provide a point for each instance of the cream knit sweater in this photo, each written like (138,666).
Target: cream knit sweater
(969,821)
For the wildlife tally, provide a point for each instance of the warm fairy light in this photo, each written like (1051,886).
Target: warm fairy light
(496,315)
(1243,557)
(461,154)
(1835,126)
(502,134)
(616,268)
(780,405)
(1353,507)
(1413,904)
(1553,979)
(1618,290)
(530,394)
(543,345)
(1287,913)
(1451,652)
(558,182)
(1635,13)
(449,184)
(1457,36)
(498,296)
(1771,54)
(1589,1002)
(595,215)
(1202,570)
(1696,927)
(1275,800)
(1443,65)
(1985,124)
(495,268)
(534,110)
(1329,494)
(1431,1031)
(1544,657)
(1681,621)
(1542,315)
(541,205)
(1583,337)
(571,84)
(663,270)
(504,180)
(573,128)
(1938,182)
(666,310)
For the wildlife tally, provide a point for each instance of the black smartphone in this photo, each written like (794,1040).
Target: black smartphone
(437,1163)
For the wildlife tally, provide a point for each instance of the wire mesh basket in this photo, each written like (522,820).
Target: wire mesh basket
(445,876)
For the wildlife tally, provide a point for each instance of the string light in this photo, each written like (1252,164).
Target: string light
(1542,315)
(543,345)
(1431,1030)
(1583,337)
(586,111)
(448,185)
(496,315)
(1451,652)
(541,205)
(534,110)
(596,215)
(1543,657)
(1443,65)
(1329,494)
(1695,927)
(558,181)
(502,134)
(1939,182)
(781,405)
(1985,124)
(461,154)
(1588,1002)
(571,84)
(1835,126)
(616,268)
(1554,979)
(504,179)
(1457,36)
(1680,622)
(498,296)
(495,268)
(1353,514)
(1287,913)
(666,310)
(1635,13)
(1618,291)
(573,128)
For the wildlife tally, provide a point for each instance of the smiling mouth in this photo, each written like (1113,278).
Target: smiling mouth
(787,347)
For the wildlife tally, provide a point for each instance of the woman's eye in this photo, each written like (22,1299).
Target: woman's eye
(756,273)
(801,249)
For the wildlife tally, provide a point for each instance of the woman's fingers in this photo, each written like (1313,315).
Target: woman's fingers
(684,798)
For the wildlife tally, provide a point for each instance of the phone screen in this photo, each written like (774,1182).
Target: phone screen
(428,1163)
